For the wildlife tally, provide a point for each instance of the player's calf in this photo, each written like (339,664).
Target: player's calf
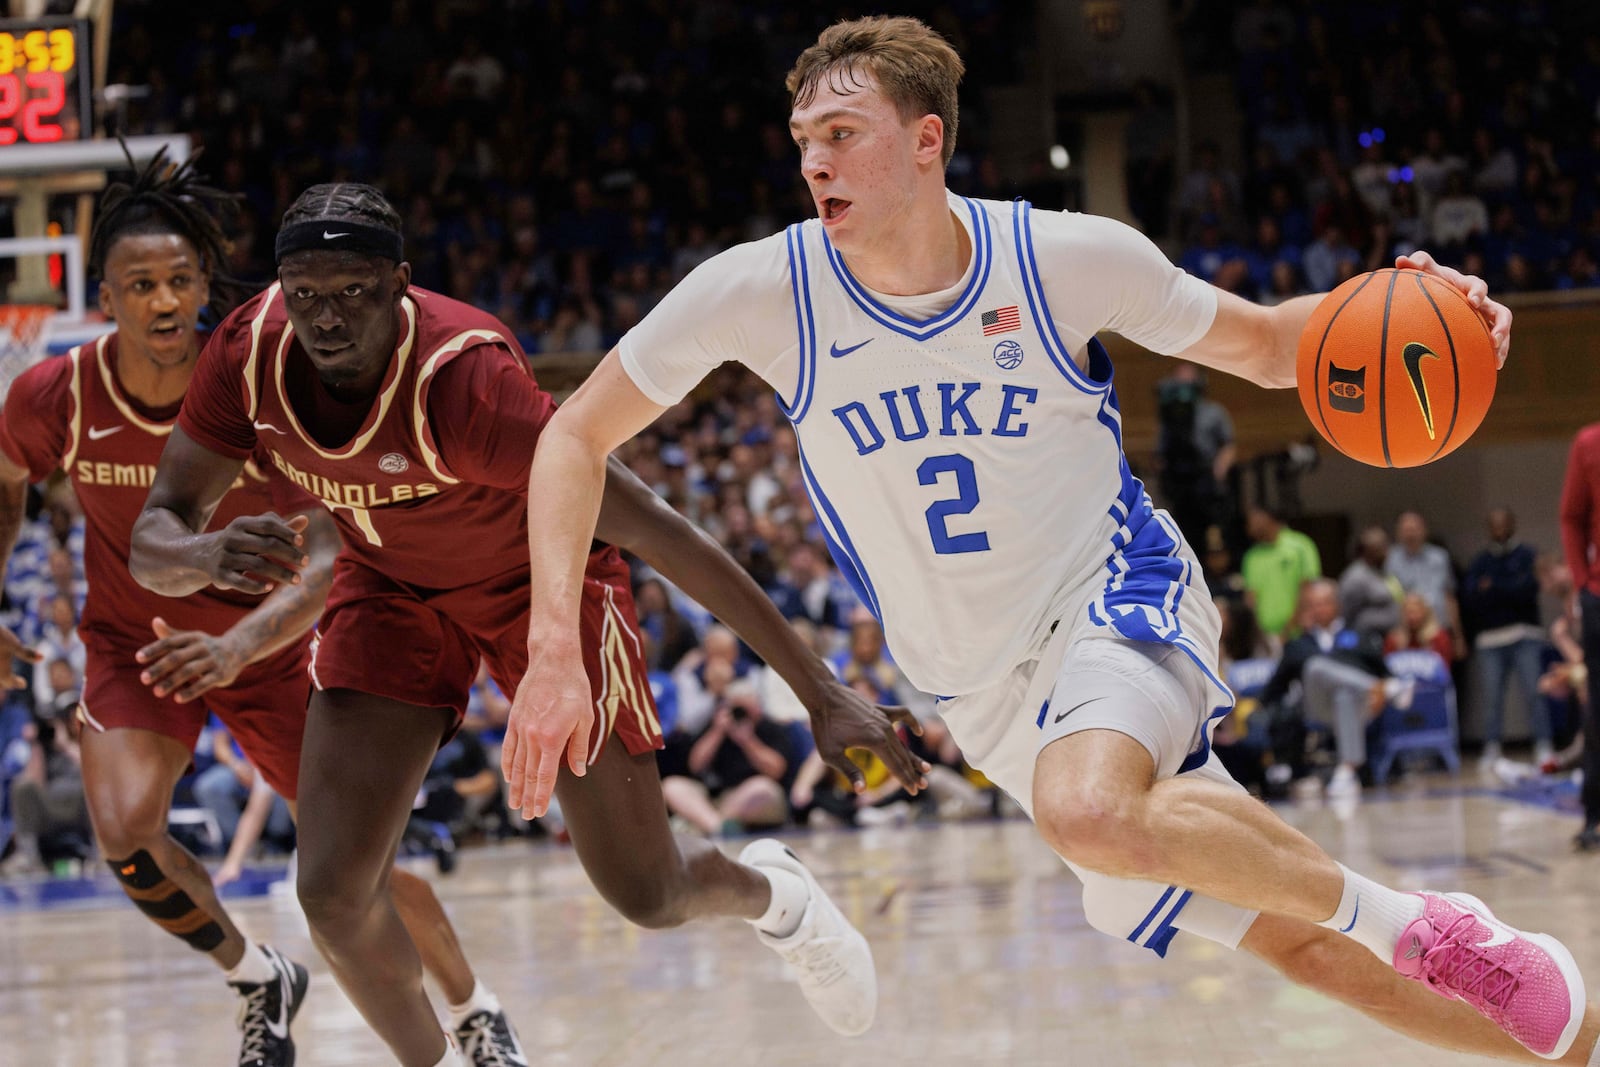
(166,903)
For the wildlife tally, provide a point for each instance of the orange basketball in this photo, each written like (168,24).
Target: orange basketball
(1395,368)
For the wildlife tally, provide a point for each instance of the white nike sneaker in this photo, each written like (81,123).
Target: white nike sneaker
(831,959)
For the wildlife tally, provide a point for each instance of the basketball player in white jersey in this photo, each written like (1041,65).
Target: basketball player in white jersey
(961,443)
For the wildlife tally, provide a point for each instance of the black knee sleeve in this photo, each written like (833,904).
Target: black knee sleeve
(167,905)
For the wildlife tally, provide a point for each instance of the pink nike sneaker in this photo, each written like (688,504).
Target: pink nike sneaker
(1526,984)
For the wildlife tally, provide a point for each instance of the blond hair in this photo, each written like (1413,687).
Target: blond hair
(914,67)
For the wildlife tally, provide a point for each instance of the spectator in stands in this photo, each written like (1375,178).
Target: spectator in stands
(58,642)
(1500,608)
(672,638)
(1580,538)
(703,676)
(1419,628)
(866,658)
(1458,216)
(1421,567)
(1369,597)
(224,790)
(807,590)
(1275,566)
(739,767)
(1329,260)
(1341,673)
(47,800)
(1196,451)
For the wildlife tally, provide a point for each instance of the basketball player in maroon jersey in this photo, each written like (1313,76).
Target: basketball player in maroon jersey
(102,413)
(413,417)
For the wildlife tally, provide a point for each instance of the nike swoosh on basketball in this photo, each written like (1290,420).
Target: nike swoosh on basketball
(97,432)
(326,236)
(835,351)
(1412,356)
(267,426)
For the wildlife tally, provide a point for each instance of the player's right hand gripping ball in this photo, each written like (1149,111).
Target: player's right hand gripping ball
(1395,368)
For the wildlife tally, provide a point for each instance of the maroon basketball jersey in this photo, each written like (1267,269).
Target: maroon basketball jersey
(70,413)
(402,508)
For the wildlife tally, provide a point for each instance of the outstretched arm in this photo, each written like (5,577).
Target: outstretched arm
(551,714)
(636,519)
(188,663)
(1260,343)
(171,555)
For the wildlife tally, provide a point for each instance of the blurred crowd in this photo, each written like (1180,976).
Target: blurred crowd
(562,165)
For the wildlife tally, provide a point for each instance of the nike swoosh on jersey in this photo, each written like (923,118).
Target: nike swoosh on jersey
(836,352)
(1412,356)
(268,426)
(326,236)
(97,432)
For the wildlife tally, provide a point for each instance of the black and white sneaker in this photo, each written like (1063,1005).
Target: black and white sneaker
(267,1009)
(487,1040)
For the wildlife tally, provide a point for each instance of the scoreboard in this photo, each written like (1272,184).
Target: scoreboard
(45,90)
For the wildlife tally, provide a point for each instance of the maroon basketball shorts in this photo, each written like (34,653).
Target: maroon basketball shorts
(422,646)
(264,709)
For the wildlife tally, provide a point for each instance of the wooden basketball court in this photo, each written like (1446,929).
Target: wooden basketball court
(983,957)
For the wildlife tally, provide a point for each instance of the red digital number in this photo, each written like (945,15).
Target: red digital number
(10,101)
(34,113)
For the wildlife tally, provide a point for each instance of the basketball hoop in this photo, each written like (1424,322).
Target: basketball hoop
(24,339)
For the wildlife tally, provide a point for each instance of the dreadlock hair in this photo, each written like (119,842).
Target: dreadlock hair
(170,198)
(343,202)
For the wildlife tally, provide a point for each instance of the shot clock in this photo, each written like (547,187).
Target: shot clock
(45,91)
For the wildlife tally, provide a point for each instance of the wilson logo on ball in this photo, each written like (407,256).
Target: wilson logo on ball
(1347,389)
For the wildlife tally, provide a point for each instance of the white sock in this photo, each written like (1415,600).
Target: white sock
(253,967)
(1372,914)
(481,999)
(1594,1057)
(790,894)
(452,1055)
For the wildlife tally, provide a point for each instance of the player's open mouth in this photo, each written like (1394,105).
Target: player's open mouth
(833,209)
(166,329)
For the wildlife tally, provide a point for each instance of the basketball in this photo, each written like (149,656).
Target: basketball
(1395,368)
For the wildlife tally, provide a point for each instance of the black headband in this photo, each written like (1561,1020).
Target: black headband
(339,235)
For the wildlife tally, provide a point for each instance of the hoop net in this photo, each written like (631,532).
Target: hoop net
(24,339)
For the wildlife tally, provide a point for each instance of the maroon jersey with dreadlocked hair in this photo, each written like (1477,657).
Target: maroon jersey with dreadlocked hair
(70,413)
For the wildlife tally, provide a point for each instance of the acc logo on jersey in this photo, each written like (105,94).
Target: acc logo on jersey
(393,463)
(1008,355)
(1347,389)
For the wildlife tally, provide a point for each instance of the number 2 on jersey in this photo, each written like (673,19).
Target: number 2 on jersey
(966,498)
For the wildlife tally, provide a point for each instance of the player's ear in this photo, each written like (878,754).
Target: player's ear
(930,139)
(402,278)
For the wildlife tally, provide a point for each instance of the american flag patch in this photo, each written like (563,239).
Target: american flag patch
(1001,320)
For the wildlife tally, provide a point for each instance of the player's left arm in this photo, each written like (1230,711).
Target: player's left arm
(189,663)
(172,555)
(1261,343)
(636,519)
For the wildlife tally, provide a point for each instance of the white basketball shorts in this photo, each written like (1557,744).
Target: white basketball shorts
(1153,693)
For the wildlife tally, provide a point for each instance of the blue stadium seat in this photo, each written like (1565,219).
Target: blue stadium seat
(1428,725)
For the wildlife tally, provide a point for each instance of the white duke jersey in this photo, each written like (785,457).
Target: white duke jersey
(967,472)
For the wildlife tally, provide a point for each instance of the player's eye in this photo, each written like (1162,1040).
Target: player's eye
(303,294)
(142,285)
(839,135)
(181,281)
(800,143)
(354,290)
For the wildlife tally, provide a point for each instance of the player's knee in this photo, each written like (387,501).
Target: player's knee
(124,826)
(1101,832)
(332,907)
